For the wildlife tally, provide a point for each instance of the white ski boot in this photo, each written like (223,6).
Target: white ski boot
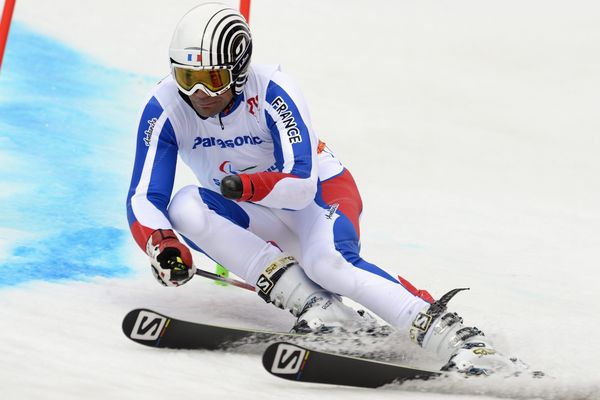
(464,348)
(478,357)
(285,284)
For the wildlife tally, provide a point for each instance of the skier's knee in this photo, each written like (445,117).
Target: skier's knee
(184,204)
(330,270)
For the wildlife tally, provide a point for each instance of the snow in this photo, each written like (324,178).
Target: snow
(470,126)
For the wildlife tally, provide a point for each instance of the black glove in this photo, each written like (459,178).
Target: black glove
(232,187)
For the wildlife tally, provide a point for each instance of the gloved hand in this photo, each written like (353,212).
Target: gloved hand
(251,187)
(237,187)
(171,260)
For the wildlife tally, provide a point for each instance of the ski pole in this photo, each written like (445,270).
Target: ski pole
(221,271)
(220,278)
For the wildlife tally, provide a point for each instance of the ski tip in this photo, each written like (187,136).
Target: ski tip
(144,326)
(129,320)
(285,360)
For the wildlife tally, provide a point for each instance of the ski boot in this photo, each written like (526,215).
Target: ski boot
(317,310)
(465,349)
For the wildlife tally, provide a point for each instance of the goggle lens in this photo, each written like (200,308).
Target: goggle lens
(214,80)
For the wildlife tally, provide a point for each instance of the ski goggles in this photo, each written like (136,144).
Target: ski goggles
(213,81)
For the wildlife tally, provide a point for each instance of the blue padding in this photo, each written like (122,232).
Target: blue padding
(347,241)
(225,208)
(350,251)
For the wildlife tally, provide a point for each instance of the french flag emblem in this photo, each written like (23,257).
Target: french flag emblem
(190,57)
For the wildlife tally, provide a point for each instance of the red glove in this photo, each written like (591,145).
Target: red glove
(171,260)
(251,187)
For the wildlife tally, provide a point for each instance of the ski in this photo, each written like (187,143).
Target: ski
(154,329)
(297,363)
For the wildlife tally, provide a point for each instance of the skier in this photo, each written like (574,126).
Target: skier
(274,204)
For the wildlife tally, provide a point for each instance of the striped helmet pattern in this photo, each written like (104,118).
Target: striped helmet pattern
(213,34)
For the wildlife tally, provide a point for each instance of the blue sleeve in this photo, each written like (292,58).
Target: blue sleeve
(153,172)
(291,133)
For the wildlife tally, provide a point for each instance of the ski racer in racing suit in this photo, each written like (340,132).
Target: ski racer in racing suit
(274,204)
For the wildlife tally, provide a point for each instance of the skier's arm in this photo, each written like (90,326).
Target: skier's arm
(153,174)
(295,149)
(149,196)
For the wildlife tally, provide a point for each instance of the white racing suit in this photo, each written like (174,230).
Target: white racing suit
(305,202)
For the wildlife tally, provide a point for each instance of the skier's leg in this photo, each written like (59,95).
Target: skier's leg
(209,221)
(243,237)
(240,236)
(329,236)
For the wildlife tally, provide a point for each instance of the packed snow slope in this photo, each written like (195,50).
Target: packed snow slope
(470,126)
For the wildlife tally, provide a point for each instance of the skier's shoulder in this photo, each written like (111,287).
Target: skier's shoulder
(164,103)
(265,76)
(261,74)
(272,75)
(272,82)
